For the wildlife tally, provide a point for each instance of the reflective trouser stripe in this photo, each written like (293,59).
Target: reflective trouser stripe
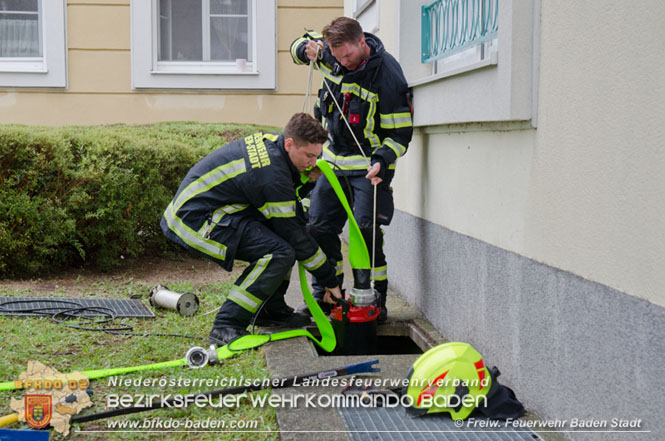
(260,266)
(193,239)
(244,299)
(239,293)
(380,273)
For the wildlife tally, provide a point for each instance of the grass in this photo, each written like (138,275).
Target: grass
(65,349)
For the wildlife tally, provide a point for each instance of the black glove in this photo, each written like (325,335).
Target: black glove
(382,172)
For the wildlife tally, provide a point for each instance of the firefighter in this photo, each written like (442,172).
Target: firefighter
(240,202)
(370,88)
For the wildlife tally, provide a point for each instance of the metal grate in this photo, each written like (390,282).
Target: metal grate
(121,307)
(393,424)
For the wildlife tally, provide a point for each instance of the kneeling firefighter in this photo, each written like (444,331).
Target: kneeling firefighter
(241,202)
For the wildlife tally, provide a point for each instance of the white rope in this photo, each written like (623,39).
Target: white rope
(373,240)
(307,104)
(341,112)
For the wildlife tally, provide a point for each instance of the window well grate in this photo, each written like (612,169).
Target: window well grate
(18,306)
(393,424)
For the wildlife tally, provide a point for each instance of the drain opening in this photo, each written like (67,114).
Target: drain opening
(391,340)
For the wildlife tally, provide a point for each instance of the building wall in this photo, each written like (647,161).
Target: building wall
(539,237)
(99,74)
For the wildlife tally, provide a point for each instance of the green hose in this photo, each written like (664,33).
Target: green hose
(358,253)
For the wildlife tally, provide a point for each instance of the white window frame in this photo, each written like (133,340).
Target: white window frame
(475,57)
(49,70)
(482,55)
(149,73)
(501,86)
(368,14)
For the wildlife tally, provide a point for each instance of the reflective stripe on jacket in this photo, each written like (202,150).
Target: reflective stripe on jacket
(248,178)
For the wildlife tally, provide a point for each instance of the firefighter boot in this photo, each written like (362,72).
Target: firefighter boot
(224,336)
(278,313)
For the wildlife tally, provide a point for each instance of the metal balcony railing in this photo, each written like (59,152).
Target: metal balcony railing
(451,26)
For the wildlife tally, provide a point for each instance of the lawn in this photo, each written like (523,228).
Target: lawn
(65,349)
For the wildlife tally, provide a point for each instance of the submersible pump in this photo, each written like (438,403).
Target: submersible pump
(354,319)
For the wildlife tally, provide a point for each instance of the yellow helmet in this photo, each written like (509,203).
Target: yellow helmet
(452,378)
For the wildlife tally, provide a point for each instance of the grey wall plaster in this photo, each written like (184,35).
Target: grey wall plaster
(569,347)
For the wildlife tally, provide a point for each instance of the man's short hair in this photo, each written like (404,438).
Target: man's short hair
(342,30)
(305,129)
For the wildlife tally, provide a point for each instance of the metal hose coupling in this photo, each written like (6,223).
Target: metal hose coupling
(198,357)
(362,297)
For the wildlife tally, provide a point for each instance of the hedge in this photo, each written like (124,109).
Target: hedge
(73,196)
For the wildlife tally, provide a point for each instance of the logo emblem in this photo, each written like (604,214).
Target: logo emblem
(38,410)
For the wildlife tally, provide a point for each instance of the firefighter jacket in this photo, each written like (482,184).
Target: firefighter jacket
(375,99)
(251,178)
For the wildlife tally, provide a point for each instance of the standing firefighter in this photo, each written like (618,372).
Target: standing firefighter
(370,88)
(241,202)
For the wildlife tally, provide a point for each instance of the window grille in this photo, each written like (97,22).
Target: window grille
(452,26)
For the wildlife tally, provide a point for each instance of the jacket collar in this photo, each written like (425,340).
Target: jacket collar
(295,174)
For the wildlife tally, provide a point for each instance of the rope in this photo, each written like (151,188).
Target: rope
(373,240)
(307,104)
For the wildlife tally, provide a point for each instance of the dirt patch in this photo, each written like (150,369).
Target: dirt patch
(149,271)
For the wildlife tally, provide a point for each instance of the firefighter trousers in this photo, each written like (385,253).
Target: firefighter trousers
(266,277)
(327,218)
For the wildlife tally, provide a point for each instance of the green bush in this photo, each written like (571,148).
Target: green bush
(89,195)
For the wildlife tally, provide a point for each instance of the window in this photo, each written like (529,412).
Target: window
(204,44)
(459,35)
(32,43)
(472,60)
(367,14)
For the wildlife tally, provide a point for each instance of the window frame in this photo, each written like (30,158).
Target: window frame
(150,73)
(50,69)
(368,14)
(501,87)
(477,55)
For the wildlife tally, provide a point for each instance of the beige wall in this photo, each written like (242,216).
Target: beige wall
(99,75)
(597,202)
(585,191)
